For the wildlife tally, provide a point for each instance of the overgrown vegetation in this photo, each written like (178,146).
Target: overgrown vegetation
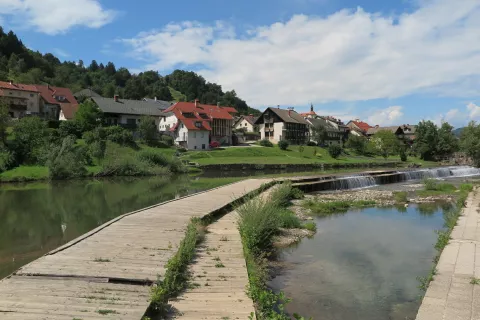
(400,196)
(265,143)
(260,220)
(283,144)
(433,187)
(176,275)
(335,151)
(331,207)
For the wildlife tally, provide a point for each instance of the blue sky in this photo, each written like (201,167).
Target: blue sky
(385,62)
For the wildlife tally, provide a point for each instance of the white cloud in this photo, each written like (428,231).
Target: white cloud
(474,111)
(347,56)
(385,117)
(56,16)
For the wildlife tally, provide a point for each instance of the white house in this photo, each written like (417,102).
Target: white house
(277,124)
(246,123)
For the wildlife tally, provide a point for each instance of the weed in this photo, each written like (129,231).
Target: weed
(400,197)
(216,259)
(311,226)
(282,194)
(331,207)
(106,311)
(101,260)
(287,219)
(219,265)
(475,281)
(224,238)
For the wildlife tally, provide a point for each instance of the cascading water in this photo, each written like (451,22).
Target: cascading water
(354,182)
(435,173)
(465,171)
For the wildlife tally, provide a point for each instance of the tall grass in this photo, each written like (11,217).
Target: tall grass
(400,196)
(332,207)
(282,194)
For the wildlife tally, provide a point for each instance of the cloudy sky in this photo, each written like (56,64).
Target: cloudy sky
(386,62)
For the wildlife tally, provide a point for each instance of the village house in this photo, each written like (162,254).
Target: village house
(277,124)
(334,135)
(127,113)
(162,105)
(405,132)
(358,128)
(56,102)
(22,99)
(86,93)
(194,125)
(246,123)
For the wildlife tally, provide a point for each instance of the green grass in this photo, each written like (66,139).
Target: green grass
(332,207)
(264,155)
(177,95)
(400,197)
(433,188)
(310,225)
(25,173)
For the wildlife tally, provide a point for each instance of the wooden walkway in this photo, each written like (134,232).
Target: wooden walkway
(107,273)
(451,295)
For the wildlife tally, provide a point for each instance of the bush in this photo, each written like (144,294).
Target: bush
(282,194)
(403,156)
(54,124)
(147,130)
(7,160)
(311,226)
(265,143)
(158,159)
(214,144)
(129,166)
(63,160)
(400,196)
(287,219)
(311,144)
(283,144)
(168,140)
(70,128)
(30,139)
(335,151)
(119,135)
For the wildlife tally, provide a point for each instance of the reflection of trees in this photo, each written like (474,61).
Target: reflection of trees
(427,209)
(31,219)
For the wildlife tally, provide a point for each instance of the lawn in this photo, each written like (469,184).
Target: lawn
(274,155)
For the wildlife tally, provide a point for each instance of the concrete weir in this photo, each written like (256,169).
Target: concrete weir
(373,178)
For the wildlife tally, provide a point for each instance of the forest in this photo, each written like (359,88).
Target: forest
(22,65)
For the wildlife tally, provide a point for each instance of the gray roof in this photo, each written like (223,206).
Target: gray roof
(125,106)
(320,122)
(162,104)
(89,93)
(289,116)
(374,130)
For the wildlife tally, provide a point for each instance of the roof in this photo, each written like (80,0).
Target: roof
(89,93)
(17,86)
(409,129)
(214,112)
(309,113)
(126,106)
(230,109)
(362,125)
(250,119)
(289,116)
(320,122)
(162,104)
(69,105)
(374,130)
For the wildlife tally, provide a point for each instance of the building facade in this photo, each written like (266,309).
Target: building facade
(245,123)
(277,124)
(22,99)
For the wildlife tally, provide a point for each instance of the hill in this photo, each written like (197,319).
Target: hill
(22,65)
(458,132)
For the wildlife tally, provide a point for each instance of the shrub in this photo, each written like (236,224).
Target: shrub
(119,135)
(63,160)
(282,194)
(147,130)
(53,124)
(430,184)
(168,140)
(30,138)
(129,166)
(70,128)
(400,196)
(335,151)
(158,159)
(7,160)
(311,144)
(265,143)
(283,144)
(214,144)
(403,155)
(287,219)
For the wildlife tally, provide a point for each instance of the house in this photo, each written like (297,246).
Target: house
(246,123)
(195,126)
(163,105)
(86,93)
(405,132)
(57,103)
(310,114)
(397,130)
(22,99)
(409,133)
(358,127)
(277,124)
(127,113)
(334,135)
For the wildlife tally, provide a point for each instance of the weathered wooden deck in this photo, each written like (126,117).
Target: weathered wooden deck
(107,273)
(451,295)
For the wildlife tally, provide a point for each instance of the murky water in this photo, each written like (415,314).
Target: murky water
(38,217)
(362,265)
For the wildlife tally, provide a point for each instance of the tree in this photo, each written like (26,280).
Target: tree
(319,134)
(64,160)
(134,89)
(447,141)
(147,129)
(30,134)
(93,66)
(88,115)
(357,143)
(4,121)
(426,140)
(110,69)
(387,143)
(109,90)
(335,151)
(470,142)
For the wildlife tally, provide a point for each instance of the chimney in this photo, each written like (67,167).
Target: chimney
(155,98)
(115,98)
(278,106)
(196,102)
(289,113)
(10,81)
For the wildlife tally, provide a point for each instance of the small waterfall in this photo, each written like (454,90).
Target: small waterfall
(465,171)
(354,182)
(435,173)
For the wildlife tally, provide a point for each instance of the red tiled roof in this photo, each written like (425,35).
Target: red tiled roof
(214,112)
(69,106)
(309,113)
(230,109)
(17,86)
(362,125)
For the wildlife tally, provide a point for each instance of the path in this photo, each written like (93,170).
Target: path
(450,295)
(107,273)
(219,277)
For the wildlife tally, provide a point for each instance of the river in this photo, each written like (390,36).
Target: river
(38,217)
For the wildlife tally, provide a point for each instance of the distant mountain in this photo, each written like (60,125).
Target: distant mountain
(457,132)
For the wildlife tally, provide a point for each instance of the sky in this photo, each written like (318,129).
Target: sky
(384,62)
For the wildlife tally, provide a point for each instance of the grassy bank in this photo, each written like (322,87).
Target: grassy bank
(260,220)
(293,155)
(331,207)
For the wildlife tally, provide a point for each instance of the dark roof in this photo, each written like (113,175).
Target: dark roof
(125,106)
(89,93)
(289,116)
(250,119)
(162,104)
(374,130)
(320,122)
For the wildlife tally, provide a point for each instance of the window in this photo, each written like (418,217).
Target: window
(245,124)
(198,124)
(195,147)
(203,146)
(131,121)
(31,95)
(182,126)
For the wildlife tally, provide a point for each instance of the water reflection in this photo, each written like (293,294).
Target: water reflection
(362,265)
(36,218)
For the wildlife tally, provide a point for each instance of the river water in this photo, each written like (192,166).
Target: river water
(362,265)
(38,217)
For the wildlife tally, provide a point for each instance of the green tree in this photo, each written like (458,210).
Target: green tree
(470,142)
(447,141)
(64,160)
(88,115)
(335,151)
(386,143)
(147,130)
(93,66)
(319,134)
(357,143)
(426,140)
(4,121)
(30,135)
